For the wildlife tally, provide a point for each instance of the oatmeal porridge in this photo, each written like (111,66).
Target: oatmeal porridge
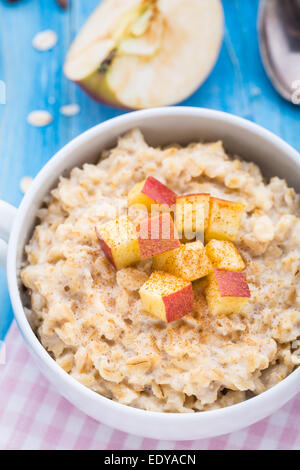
(91,317)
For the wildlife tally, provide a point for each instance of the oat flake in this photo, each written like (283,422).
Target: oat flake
(39,118)
(44,40)
(25,183)
(70,109)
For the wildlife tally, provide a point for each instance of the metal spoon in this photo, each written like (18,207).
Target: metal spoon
(279,38)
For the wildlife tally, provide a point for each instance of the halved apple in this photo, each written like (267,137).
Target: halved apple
(227,292)
(146,53)
(167,297)
(150,192)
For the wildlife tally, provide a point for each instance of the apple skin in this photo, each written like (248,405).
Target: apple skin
(158,192)
(167,297)
(151,192)
(95,85)
(152,239)
(100,97)
(227,292)
(179,304)
(106,249)
(232,283)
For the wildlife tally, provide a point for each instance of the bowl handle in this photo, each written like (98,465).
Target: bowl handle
(7,216)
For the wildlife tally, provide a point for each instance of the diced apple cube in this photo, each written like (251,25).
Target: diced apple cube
(157,235)
(167,297)
(191,216)
(119,242)
(188,261)
(151,192)
(227,292)
(224,219)
(224,255)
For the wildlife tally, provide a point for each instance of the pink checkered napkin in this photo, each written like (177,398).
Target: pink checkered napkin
(34,416)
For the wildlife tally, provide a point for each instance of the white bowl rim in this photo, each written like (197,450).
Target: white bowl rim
(35,345)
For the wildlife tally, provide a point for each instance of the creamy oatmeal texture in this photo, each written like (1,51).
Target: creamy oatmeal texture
(89,318)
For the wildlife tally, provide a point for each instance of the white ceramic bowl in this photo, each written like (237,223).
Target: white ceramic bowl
(160,126)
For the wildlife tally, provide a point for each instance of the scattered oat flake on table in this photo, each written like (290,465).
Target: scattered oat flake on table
(44,40)
(39,118)
(25,183)
(255,91)
(70,109)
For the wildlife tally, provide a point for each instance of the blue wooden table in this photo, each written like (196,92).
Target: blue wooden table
(34,80)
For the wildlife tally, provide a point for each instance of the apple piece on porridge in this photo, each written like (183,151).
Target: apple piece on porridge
(224,255)
(119,242)
(224,219)
(227,292)
(191,216)
(151,192)
(157,235)
(167,297)
(188,261)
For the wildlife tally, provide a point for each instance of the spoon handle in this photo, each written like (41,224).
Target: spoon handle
(292,8)
(290,12)
(297,4)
